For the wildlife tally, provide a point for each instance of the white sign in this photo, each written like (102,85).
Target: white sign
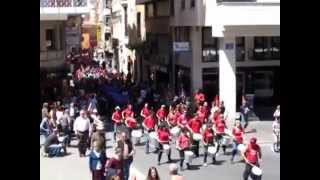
(181,46)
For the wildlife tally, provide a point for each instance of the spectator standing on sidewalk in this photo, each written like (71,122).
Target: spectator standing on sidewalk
(97,159)
(173,170)
(128,151)
(277,112)
(245,110)
(81,128)
(45,111)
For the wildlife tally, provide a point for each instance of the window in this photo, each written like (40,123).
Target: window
(50,39)
(183,4)
(172,7)
(182,34)
(266,48)
(150,10)
(240,48)
(192,3)
(210,46)
(125,20)
(139,24)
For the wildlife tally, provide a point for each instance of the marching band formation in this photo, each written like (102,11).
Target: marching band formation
(189,131)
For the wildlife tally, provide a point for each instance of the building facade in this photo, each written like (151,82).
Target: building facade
(234,48)
(60,29)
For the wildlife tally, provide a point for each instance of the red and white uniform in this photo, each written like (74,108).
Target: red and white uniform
(182,121)
(195,125)
(116,117)
(161,114)
(220,126)
(252,153)
(149,122)
(238,134)
(131,122)
(127,113)
(183,141)
(163,135)
(145,112)
(208,136)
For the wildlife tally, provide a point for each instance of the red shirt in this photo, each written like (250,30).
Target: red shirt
(116,117)
(183,141)
(132,123)
(127,112)
(164,135)
(201,116)
(182,120)
(252,153)
(145,111)
(195,125)
(208,136)
(161,113)
(238,134)
(150,122)
(220,126)
(216,116)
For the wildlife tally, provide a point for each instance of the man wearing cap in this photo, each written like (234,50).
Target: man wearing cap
(116,118)
(251,155)
(82,128)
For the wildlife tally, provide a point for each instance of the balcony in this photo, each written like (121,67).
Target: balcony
(54,8)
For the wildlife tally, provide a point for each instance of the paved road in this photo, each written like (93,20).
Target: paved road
(72,167)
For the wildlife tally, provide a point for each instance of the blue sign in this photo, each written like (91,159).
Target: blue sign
(229,46)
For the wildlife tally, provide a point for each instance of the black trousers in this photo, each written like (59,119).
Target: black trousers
(160,153)
(206,154)
(219,138)
(83,142)
(196,147)
(182,157)
(247,173)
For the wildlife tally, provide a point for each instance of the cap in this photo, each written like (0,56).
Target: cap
(95,111)
(117,107)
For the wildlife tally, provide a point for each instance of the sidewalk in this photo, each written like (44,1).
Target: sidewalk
(262,130)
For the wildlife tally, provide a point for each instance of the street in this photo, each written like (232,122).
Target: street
(71,167)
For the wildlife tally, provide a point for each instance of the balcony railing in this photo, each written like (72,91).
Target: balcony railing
(63,3)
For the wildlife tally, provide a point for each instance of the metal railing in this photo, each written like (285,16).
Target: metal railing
(63,3)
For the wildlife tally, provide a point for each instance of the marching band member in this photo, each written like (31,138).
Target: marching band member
(161,114)
(131,123)
(194,126)
(237,134)
(116,118)
(220,127)
(208,140)
(183,120)
(183,144)
(164,138)
(251,155)
(149,124)
(172,118)
(128,112)
(145,112)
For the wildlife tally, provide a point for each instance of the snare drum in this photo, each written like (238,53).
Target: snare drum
(212,150)
(197,136)
(153,139)
(188,156)
(136,135)
(226,140)
(175,131)
(256,171)
(166,148)
(241,147)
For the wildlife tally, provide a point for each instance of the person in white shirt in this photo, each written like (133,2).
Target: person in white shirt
(276,133)
(276,113)
(82,130)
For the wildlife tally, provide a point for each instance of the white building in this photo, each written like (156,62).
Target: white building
(60,29)
(123,19)
(234,48)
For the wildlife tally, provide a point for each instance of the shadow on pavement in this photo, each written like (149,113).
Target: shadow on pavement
(251,131)
(219,162)
(194,167)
